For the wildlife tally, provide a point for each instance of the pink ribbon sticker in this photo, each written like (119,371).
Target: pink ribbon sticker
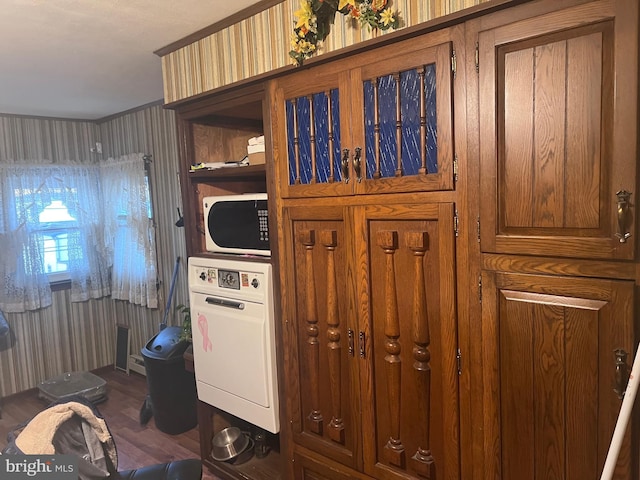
(203,326)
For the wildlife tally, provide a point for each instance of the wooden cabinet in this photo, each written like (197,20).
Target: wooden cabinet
(216,129)
(365,175)
(404,256)
(455,243)
(322,379)
(551,342)
(557,114)
(372,337)
(379,122)
(557,108)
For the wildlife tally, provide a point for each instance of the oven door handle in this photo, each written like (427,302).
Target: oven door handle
(223,302)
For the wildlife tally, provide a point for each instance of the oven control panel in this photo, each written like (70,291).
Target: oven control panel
(214,280)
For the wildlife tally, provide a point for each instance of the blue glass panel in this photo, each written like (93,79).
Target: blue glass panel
(321,125)
(387,121)
(335,115)
(410,106)
(369,129)
(304,140)
(290,143)
(430,103)
(410,111)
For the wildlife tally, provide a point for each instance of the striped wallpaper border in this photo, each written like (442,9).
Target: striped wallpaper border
(260,44)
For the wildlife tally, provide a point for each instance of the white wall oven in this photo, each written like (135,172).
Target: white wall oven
(232,316)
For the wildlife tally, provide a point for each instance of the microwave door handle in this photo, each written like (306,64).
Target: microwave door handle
(225,303)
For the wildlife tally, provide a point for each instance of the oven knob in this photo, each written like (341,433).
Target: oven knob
(203,276)
(255,283)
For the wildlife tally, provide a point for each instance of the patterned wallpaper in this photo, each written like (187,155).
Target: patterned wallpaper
(260,44)
(81,336)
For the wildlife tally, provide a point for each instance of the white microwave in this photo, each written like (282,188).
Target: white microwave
(237,224)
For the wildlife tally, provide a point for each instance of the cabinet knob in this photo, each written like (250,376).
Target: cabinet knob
(351,346)
(623,212)
(362,342)
(357,164)
(345,165)
(622,372)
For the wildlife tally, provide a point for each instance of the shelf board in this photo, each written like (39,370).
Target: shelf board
(229,172)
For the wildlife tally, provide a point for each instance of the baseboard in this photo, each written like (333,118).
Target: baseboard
(136,364)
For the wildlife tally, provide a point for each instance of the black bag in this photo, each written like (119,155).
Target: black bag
(73,426)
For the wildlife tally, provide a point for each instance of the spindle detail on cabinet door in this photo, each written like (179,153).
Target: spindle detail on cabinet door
(379,123)
(384,273)
(409,381)
(323,382)
(335,341)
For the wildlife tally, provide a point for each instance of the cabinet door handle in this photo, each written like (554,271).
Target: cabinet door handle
(624,203)
(345,165)
(622,372)
(351,346)
(362,343)
(357,164)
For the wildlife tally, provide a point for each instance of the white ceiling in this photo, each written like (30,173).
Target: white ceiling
(87,59)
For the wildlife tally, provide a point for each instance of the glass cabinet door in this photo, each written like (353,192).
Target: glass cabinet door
(403,122)
(311,109)
(378,123)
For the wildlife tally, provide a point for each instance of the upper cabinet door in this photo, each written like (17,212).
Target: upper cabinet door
(311,130)
(558,133)
(402,123)
(378,122)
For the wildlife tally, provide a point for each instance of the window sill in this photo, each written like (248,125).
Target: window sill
(60,285)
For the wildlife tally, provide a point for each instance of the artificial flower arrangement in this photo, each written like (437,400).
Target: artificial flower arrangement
(314,18)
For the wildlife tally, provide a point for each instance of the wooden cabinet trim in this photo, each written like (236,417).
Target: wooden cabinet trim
(555,266)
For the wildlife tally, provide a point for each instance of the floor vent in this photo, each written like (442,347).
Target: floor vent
(136,363)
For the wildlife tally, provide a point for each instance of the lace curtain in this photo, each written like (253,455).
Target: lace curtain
(25,191)
(107,241)
(129,232)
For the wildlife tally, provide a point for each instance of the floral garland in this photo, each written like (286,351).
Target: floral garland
(314,19)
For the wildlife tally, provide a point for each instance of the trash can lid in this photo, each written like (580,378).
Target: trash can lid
(166,345)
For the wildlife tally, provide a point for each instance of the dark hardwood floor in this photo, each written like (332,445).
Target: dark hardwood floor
(137,445)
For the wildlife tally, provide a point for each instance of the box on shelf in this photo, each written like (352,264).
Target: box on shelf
(256,154)
(256,158)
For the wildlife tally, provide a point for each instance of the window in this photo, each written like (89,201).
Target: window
(89,224)
(58,232)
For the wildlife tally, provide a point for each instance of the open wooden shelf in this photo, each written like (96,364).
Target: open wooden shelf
(228,172)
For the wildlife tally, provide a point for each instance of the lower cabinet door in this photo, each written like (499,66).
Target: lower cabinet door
(551,348)
(319,358)
(408,340)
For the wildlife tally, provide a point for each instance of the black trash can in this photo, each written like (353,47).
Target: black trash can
(172,389)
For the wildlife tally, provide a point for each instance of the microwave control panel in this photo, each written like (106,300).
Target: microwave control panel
(263,224)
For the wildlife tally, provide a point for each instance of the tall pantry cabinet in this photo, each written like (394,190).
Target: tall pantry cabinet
(557,122)
(366,172)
